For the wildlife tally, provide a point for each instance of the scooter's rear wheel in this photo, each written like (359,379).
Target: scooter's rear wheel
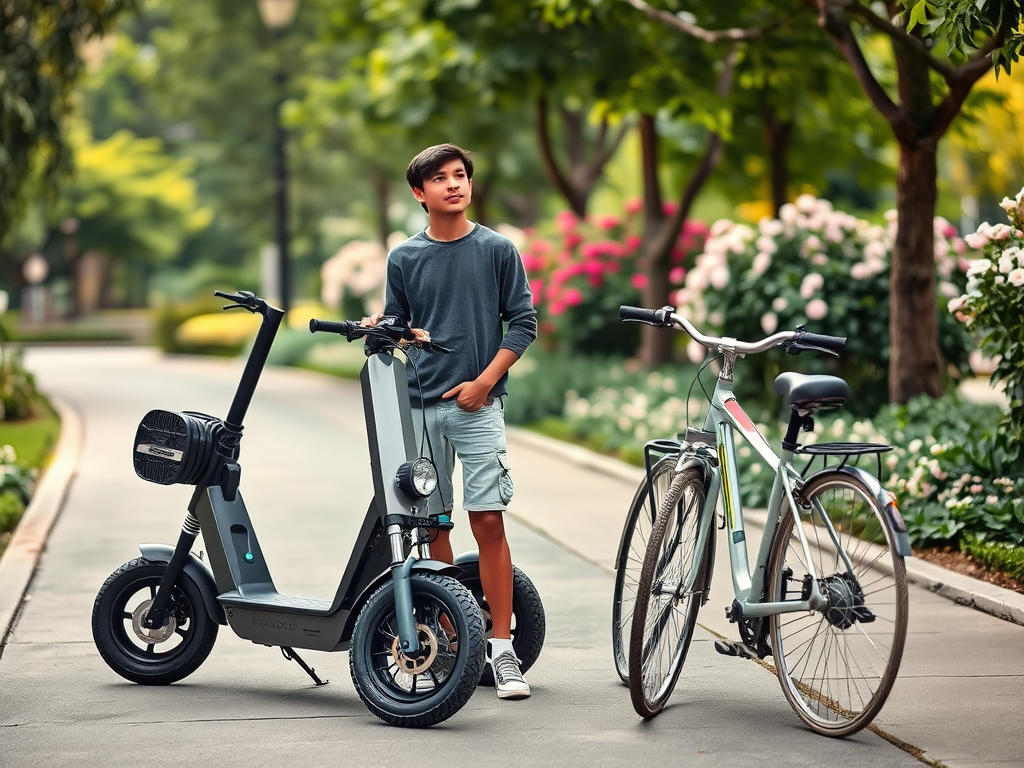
(151,656)
(528,623)
(431,686)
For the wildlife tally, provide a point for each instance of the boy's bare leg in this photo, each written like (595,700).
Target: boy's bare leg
(441,547)
(495,569)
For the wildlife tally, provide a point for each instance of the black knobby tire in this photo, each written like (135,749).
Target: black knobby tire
(838,664)
(435,693)
(528,622)
(629,561)
(126,651)
(665,613)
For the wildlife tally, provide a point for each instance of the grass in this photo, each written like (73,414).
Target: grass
(33,441)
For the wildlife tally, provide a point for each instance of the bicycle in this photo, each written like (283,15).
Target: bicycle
(827,597)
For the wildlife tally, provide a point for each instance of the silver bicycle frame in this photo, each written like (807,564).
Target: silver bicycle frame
(724,418)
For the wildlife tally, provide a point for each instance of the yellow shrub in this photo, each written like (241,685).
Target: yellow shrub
(224,329)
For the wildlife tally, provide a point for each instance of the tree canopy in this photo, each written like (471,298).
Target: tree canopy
(40,61)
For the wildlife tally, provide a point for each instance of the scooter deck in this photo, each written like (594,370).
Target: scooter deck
(269,599)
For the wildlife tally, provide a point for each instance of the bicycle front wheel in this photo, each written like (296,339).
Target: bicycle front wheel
(636,533)
(838,664)
(666,605)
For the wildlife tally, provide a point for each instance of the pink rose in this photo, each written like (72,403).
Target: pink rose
(566,221)
(572,297)
(816,309)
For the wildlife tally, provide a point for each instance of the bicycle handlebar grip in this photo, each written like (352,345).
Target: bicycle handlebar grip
(832,343)
(629,314)
(344,328)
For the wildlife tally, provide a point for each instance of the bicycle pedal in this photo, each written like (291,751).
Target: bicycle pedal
(735,648)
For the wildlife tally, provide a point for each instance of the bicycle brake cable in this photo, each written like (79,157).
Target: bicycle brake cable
(696,379)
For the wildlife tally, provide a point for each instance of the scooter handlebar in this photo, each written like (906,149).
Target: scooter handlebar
(343,328)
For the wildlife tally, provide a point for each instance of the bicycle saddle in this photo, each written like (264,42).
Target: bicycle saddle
(811,393)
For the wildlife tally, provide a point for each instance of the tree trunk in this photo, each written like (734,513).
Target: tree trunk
(655,343)
(777,133)
(382,194)
(915,366)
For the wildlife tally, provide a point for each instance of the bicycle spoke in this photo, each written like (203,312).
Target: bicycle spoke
(838,665)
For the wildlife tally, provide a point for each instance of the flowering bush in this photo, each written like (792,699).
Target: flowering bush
(949,474)
(585,269)
(19,398)
(16,484)
(353,279)
(823,269)
(993,309)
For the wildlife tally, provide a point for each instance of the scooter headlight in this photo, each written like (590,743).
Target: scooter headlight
(417,478)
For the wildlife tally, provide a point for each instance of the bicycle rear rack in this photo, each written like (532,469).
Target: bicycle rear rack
(850,454)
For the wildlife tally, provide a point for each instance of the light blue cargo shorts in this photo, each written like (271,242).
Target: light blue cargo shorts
(478,440)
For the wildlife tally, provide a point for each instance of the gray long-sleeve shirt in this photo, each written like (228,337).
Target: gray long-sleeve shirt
(460,292)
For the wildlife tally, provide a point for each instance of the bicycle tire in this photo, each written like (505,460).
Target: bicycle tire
(658,644)
(838,665)
(636,532)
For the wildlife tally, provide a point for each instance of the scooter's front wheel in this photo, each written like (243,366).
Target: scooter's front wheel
(432,685)
(151,656)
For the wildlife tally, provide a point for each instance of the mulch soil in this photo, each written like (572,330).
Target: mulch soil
(967,565)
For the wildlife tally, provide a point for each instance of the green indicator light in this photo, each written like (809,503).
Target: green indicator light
(249,557)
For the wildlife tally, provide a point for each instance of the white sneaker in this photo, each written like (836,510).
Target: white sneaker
(508,679)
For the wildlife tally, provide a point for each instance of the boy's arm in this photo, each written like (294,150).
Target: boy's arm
(517,305)
(472,395)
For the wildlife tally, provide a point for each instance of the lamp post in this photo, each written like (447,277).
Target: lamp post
(277,15)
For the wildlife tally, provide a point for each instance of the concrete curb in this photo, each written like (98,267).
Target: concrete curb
(965,590)
(19,562)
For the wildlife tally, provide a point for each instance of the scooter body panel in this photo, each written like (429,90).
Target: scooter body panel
(232,547)
(293,622)
(389,428)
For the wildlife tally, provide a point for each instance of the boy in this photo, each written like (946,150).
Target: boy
(459,280)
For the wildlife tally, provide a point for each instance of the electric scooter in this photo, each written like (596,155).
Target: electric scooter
(415,634)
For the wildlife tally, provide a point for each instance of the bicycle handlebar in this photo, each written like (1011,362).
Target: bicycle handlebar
(794,342)
(655,317)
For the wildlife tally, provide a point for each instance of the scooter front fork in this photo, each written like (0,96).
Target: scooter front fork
(408,637)
(156,617)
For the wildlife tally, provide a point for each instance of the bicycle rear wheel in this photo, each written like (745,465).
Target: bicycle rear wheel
(629,561)
(837,665)
(666,607)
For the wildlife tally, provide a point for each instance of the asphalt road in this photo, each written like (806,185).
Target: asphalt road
(306,484)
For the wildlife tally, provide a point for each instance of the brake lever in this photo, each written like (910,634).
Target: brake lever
(795,348)
(242,300)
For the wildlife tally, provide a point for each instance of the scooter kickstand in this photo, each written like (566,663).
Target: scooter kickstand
(291,655)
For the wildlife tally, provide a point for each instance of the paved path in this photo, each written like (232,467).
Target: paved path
(957,700)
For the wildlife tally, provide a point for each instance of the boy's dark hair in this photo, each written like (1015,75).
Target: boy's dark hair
(430,160)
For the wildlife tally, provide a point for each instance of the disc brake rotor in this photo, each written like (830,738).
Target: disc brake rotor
(147,635)
(420,663)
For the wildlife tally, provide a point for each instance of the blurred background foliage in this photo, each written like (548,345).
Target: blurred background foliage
(137,166)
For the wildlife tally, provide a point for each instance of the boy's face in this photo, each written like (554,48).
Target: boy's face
(447,190)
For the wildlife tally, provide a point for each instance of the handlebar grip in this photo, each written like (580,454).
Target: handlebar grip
(832,343)
(344,328)
(657,317)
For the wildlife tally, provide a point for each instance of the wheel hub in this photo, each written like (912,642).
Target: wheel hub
(147,635)
(419,663)
(845,603)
